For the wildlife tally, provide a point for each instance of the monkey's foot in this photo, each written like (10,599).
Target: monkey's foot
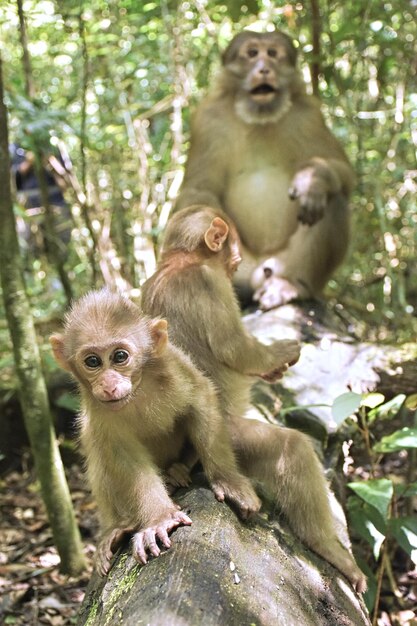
(276,293)
(178,475)
(146,540)
(107,548)
(240,493)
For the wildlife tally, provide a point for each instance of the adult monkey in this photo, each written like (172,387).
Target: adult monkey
(260,151)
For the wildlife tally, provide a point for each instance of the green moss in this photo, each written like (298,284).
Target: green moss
(123,586)
(92,614)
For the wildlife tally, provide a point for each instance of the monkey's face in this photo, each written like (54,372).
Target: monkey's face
(107,371)
(267,69)
(263,67)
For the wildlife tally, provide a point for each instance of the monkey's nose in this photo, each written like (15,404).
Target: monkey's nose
(110,394)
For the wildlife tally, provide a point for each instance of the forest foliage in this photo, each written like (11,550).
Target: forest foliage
(113,86)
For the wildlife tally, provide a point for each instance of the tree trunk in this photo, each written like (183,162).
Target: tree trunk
(223,572)
(32,393)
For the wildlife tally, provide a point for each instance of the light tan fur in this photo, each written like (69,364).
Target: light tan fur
(143,401)
(199,303)
(268,161)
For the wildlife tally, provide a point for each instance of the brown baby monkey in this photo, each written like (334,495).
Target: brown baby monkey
(192,289)
(142,401)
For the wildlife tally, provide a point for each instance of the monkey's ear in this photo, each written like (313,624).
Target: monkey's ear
(216,235)
(57,343)
(159,333)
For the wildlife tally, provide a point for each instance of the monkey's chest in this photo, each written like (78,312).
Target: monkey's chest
(165,446)
(257,201)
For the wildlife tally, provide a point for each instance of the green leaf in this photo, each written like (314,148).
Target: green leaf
(411,402)
(404,529)
(372,400)
(400,439)
(361,521)
(387,410)
(344,405)
(376,492)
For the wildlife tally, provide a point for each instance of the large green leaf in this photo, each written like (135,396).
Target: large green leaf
(404,529)
(376,492)
(361,521)
(344,405)
(404,438)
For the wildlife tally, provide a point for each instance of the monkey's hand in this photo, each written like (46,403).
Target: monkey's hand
(178,475)
(145,540)
(275,375)
(107,548)
(239,491)
(311,186)
(281,354)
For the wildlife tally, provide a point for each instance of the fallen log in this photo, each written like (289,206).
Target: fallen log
(222,572)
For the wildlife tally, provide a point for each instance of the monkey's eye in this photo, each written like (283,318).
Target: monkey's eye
(272,52)
(92,361)
(252,52)
(120,356)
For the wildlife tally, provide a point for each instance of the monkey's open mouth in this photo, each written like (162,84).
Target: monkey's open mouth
(263,93)
(262,90)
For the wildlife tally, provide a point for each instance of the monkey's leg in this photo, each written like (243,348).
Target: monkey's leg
(284,462)
(211,440)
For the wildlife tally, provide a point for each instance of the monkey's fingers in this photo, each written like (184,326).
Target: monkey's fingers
(138,548)
(246,502)
(241,495)
(150,544)
(182,518)
(310,213)
(311,190)
(218,491)
(277,374)
(103,559)
(178,475)
(163,537)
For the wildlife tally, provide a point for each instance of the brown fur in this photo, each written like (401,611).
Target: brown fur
(204,317)
(270,163)
(137,415)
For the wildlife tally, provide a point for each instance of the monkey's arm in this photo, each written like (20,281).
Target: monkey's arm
(133,497)
(230,342)
(208,434)
(323,170)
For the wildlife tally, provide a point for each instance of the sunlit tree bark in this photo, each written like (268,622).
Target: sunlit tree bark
(32,389)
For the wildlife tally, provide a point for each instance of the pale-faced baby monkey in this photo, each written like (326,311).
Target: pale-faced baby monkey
(260,151)
(192,289)
(142,400)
